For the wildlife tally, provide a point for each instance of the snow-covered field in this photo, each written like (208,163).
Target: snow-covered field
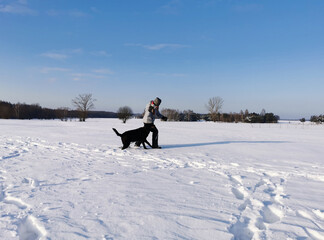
(71,180)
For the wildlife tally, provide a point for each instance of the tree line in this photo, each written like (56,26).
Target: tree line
(85,102)
(35,111)
(213,106)
(317,119)
(246,116)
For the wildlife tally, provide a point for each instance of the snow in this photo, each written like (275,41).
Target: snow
(71,180)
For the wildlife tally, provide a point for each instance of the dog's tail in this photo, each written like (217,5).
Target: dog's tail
(118,134)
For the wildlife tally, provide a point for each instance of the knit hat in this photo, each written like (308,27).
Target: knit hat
(157,101)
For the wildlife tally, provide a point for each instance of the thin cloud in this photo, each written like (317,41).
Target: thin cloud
(163,45)
(160,46)
(86,76)
(103,71)
(17,7)
(55,56)
(71,13)
(100,54)
(63,54)
(77,76)
(77,13)
(54,69)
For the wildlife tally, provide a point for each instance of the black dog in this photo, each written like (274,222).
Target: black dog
(136,135)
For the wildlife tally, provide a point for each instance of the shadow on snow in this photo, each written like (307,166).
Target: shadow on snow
(218,143)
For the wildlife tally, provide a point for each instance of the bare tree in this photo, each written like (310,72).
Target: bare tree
(62,113)
(214,105)
(171,114)
(83,103)
(124,113)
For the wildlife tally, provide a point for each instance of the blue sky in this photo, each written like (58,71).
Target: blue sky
(254,54)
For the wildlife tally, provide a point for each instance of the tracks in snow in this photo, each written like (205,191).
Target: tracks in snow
(262,200)
(20,215)
(259,194)
(17,214)
(261,206)
(38,172)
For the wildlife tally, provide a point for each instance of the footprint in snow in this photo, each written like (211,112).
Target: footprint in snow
(239,192)
(262,205)
(237,187)
(236,179)
(271,213)
(30,229)
(16,201)
(242,229)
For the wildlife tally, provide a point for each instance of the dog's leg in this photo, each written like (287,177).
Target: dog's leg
(144,145)
(147,143)
(125,142)
(125,146)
